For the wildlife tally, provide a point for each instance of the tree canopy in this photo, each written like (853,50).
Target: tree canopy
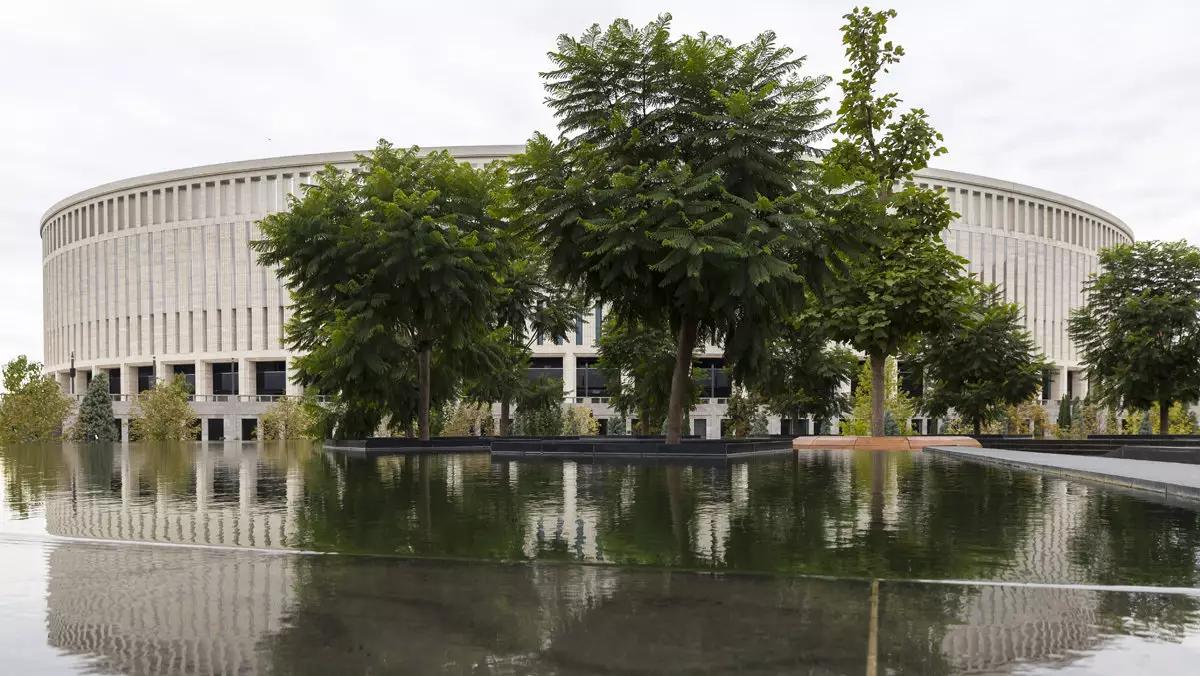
(388,266)
(986,362)
(163,413)
(682,184)
(1138,331)
(910,282)
(33,407)
(638,360)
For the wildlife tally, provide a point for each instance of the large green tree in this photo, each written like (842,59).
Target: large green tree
(388,266)
(910,283)
(803,374)
(95,419)
(33,407)
(1138,332)
(986,362)
(681,186)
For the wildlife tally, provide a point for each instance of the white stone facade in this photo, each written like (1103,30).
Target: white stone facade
(156,271)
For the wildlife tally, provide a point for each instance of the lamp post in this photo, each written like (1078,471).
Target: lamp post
(72,372)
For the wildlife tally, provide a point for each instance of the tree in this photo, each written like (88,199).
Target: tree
(162,413)
(638,362)
(388,266)
(95,419)
(468,420)
(895,400)
(293,418)
(986,362)
(803,374)
(1138,332)
(33,407)
(1064,411)
(682,188)
(742,413)
(910,284)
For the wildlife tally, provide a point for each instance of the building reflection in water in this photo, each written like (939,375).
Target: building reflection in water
(139,609)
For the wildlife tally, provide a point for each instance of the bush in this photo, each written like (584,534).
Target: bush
(468,420)
(890,428)
(95,419)
(617,426)
(579,421)
(162,413)
(293,418)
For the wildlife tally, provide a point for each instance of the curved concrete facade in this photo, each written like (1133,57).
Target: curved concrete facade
(154,275)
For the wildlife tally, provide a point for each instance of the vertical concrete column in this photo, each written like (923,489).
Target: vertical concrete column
(245,377)
(569,377)
(1063,375)
(128,379)
(292,389)
(203,379)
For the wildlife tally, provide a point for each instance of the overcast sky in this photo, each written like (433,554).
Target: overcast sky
(1090,98)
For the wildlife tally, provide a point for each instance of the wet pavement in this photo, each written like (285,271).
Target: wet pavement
(191,561)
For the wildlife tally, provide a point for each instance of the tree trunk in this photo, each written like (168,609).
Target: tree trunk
(505,423)
(1164,417)
(643,425)
(423,395)
(978,427)
(878,392)
(680,380)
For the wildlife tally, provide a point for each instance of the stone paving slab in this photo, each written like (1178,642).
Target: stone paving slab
(1164,478)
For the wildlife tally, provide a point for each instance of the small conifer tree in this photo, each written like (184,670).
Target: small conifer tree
(95,419)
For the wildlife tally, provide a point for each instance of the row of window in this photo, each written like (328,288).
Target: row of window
(591,382)
(270,377)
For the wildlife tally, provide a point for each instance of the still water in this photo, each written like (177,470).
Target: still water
(834,562)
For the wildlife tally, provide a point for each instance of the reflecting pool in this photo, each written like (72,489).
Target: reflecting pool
(835,562)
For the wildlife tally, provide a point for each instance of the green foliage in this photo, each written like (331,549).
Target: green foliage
(890,428)
(579,421)
(638,360)
(682,188)
(743,413)
(95,419)
(987,361)
(394,270)
(33,407)
(895,400)
(803,375)
(909,284)
(617,426)
(293,418)
(1138,332)
(539,410)
(468,420)
(1065,406)
(1143,425)
(162,413)
(1180,420)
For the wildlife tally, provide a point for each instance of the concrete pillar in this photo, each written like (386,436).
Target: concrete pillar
(204,429)
(292,389)
(128,379)
(569,377)
(245,377)
(203,379)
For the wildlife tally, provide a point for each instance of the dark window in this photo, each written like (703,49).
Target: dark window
(1070,384)
(270,377)
(579,330)
(547,367)
(700,427)
(602,427)
(216,429)
(1047,382)
(589,381)
(910,380)
(188,373)
(145,378)
(114,381)
(714,380)
(249,425)
(117,426)
(599,320)
(225,378)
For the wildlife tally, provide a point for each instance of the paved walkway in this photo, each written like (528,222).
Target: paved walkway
(1172,479)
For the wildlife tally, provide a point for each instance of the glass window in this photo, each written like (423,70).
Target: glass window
(188,373)
(145,378)
(270,378)
(589,381)
(225,378)
(545,367)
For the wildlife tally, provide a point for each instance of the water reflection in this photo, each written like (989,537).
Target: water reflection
(142,610)
(867,515)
